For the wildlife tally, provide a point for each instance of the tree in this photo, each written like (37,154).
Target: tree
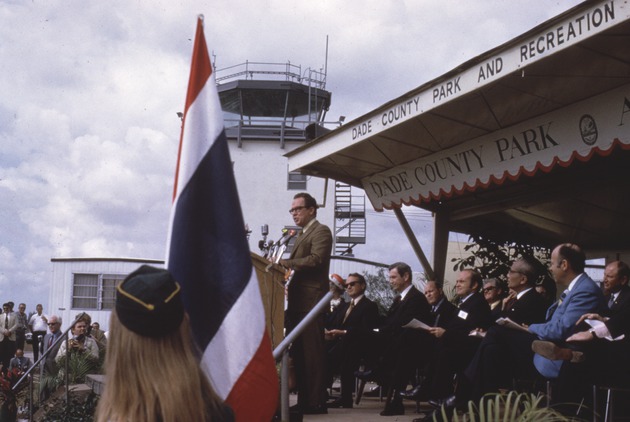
(493,259)
(379,290)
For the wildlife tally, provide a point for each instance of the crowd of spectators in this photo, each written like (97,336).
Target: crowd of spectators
(43,332)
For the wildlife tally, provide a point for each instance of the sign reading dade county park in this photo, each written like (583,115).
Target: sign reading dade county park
(575,131)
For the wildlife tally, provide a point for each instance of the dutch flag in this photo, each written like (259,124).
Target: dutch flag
(208,254)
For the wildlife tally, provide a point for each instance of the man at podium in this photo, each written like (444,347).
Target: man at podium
(310,261)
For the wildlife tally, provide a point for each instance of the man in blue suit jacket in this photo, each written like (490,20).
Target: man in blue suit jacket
(581,296)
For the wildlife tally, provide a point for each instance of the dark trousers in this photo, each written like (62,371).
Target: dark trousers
(309,358)
(503,354)
(20,339)
(453,352)
(412,349)
(7,351)
(345,357)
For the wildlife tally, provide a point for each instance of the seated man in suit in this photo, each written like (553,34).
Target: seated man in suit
(455,346)
(615,285)
(510,349)
(524,305)
(20,362)
(408,304)
(494,293)
(351,336)
(442,313)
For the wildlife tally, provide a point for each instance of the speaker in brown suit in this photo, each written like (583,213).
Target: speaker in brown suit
(310,260)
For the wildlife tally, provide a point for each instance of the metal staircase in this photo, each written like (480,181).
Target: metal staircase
(350,225)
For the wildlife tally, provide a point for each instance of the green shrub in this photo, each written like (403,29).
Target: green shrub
(507,407)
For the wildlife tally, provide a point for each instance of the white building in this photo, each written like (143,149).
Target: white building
(88,285)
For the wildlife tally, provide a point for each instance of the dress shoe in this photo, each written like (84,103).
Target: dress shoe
(314,410)
(450,402)
(436,402)
(551,351)
(446,410)
(393,409)
(373,392)
(339,404)
(413,394)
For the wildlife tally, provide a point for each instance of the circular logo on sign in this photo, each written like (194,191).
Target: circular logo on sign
(588,129)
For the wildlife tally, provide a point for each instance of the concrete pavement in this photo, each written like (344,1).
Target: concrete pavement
(368,411)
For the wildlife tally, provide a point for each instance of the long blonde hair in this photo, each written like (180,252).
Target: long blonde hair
(154,379)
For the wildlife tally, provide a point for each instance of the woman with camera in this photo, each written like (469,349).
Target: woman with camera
(80,343)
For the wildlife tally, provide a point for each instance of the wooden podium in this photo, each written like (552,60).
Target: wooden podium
(272,291)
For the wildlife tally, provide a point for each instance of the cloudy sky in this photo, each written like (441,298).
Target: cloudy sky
(89,92)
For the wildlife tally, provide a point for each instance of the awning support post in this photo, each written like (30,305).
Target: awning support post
(414,244)
(441,222)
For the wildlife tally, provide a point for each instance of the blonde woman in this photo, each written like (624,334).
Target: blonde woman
(151,364)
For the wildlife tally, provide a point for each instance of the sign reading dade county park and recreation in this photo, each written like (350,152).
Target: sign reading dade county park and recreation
(570,31)
(573,132)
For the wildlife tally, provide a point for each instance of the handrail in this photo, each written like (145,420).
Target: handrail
(281,351)
(288,70)
(39,362)
(290,338)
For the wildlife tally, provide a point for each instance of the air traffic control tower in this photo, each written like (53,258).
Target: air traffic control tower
(276,102)
(268,110)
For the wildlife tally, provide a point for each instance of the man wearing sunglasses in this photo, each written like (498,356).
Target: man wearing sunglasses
(310,261)
(360,317)
(493,293)
(48,343)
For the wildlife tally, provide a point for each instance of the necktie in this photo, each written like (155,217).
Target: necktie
(6,321)
(552,309)
(562,297)
(510,304)
(394,307)
(611,301)
(350,308)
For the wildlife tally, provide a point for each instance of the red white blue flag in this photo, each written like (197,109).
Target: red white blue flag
(208,254)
